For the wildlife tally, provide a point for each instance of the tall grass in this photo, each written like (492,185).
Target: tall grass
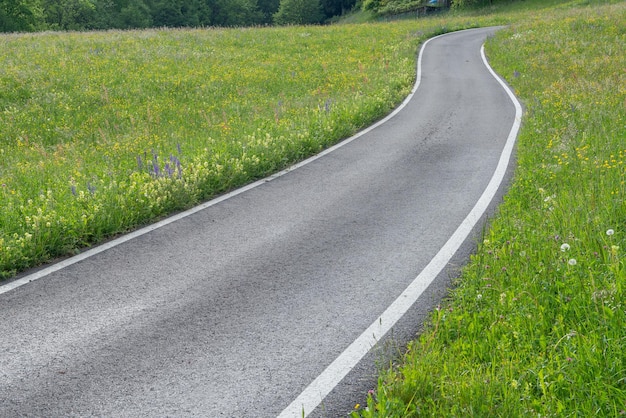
(102,132)
(535,326)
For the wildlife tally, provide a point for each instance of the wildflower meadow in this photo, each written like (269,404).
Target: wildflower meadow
(102,132)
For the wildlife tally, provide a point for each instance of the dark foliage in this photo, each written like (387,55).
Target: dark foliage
(32,15)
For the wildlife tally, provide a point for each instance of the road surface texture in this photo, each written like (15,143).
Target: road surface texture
(233,310)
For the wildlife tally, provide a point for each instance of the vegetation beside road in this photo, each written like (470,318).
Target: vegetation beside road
(102,132)
(535,326)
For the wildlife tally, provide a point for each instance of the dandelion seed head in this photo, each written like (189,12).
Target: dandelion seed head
(610,232)
(564,247)
(572,262)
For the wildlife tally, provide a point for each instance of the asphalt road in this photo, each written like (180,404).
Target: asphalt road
(234,309)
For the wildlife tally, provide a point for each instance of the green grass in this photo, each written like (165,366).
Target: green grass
(103,132)
(536,323)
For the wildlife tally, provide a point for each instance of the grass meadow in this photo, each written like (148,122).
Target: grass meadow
(536,323)
(103,132)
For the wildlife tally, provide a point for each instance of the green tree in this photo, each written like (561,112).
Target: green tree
(299,12)
(20,15)
(236,13)
(268,8)
(373,4)
(122,14)
(168,14)
(181,13)
(136,14)
(70,14)
(105,14)
(336,7)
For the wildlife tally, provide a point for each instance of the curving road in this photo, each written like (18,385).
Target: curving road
(234,309)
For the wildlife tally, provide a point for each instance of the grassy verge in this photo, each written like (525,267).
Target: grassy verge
(102,132)
(535,326)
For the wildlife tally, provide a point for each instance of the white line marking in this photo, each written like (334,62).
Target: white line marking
(314,394)
(113,243)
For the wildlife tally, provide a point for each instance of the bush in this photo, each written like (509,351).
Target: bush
(299,12)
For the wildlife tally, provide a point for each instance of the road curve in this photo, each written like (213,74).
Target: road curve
(235,308)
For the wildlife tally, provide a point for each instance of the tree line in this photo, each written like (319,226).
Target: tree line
(396,7)
(38,15)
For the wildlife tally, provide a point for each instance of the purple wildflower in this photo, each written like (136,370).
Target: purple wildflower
(327,105)
(168,169)
(155,165)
